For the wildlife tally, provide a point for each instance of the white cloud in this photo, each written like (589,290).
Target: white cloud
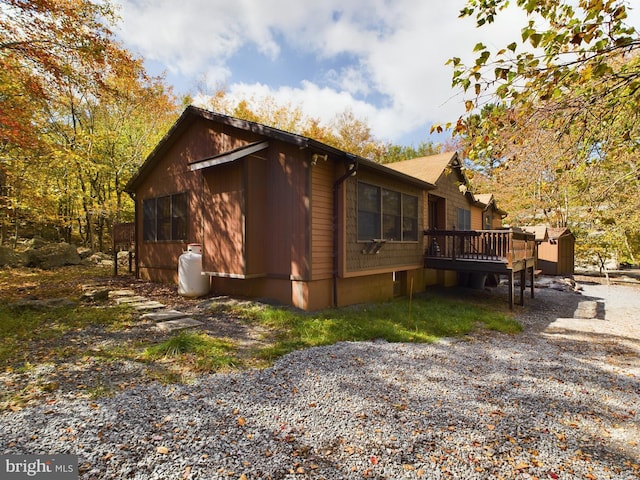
(380,49)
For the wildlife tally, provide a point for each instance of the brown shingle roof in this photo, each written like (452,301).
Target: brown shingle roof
(484,198)
(556,233)
(540,232)
(428,169)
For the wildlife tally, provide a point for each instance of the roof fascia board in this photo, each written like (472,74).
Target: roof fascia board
(178,125)
(253,127)
(191,112)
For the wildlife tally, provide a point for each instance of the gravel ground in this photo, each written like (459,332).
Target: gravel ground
(560,400)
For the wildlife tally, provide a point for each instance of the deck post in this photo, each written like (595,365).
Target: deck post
(453,242)
(532,280)
(500,251)
(115,256)
(511,292)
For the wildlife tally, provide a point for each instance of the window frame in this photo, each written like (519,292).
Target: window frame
(394,219)
(464,218)
(165,218)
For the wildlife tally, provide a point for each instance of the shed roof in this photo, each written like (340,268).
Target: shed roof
(191,114)
(555,233)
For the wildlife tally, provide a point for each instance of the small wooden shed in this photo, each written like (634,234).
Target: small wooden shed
(556,254)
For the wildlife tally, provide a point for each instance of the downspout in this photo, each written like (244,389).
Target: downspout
(352,169)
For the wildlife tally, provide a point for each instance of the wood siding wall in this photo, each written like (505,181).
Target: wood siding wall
(322,179)
(256,219)
(448,188)
(224,219)
(477,218)
(159,261)
(286,234)
(557,258)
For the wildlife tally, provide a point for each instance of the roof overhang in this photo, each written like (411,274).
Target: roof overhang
(228,157)
(191,114)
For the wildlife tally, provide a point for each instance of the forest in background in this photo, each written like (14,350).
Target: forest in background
(79,114)
(551,126)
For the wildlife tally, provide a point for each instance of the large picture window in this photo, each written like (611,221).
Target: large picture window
(386,214)
(165,218)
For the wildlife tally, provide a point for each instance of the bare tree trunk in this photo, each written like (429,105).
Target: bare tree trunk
(628,247)
(603,268)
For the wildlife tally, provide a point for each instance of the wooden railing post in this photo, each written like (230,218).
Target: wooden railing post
(453,253)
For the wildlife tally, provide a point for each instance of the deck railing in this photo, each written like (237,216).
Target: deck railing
(124,238)
(500,246)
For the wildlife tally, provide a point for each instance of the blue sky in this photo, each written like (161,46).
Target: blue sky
(383,60)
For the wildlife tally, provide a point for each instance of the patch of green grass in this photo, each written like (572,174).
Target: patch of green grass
(425,318)
(15,283)
(200,351)
(21,330)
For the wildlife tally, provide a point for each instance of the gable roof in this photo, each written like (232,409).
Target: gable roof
(540,231)
(431,168)
(555,233)
(544,233)
(486,200)
(428,169)
(191,114)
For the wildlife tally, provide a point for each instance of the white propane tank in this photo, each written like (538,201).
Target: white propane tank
(191,281)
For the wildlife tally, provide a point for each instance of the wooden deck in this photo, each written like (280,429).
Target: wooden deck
(504,252)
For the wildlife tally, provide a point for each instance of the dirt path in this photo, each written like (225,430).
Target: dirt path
(608,310)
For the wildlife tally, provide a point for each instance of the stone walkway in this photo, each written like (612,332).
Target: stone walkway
(167,320)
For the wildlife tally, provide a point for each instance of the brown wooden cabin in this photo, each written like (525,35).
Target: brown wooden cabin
(556,253)
(464,236)
(279,216)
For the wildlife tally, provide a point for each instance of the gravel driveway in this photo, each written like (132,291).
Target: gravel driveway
(561,400)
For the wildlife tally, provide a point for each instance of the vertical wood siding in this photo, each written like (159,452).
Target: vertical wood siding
(256,220)
(159,261)
(286,233)
(224,224)
(322,178)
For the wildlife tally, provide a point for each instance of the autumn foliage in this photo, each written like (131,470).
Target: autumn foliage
(77,115)
(552,118)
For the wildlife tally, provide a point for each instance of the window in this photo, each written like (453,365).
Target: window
(464,219)
(391,215)
(386,214)
(368,212)
(409,218)
(165,218)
